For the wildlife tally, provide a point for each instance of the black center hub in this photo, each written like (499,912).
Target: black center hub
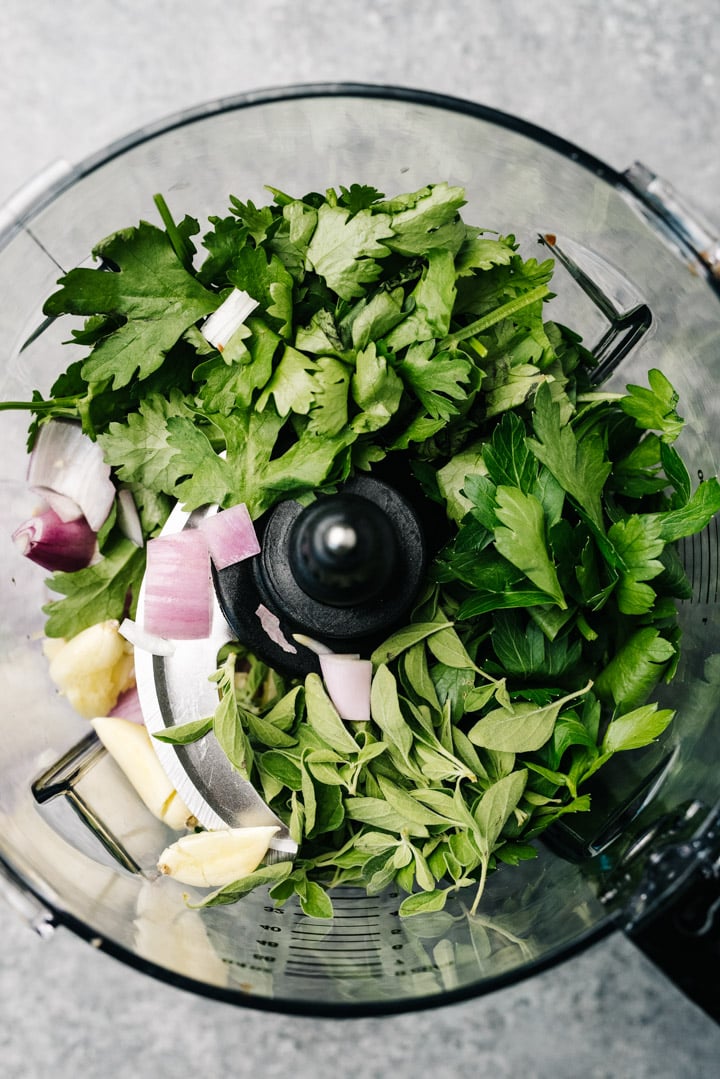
(343,570)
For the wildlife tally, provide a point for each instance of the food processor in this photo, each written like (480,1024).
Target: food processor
(638,275)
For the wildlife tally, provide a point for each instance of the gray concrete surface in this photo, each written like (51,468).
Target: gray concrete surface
(625,81)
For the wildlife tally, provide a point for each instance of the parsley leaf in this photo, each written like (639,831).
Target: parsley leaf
(507,456)
(520,537)
(97,593)
(654,408)
(581,468)
(639,544)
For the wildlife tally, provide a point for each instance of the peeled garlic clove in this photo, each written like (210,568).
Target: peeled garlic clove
(93,668)
(212,859)
(176,814)
(130,747)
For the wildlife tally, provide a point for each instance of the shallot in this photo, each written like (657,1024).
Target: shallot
(146,642)
(230,536)
(178,589)
(228,318)
(68,469)
(347,680)
(56,544)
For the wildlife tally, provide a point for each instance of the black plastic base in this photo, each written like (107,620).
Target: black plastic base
(684,942)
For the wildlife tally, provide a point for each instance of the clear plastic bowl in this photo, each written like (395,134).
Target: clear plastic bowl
(76,845)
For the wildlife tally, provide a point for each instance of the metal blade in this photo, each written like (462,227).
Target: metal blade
(176,689)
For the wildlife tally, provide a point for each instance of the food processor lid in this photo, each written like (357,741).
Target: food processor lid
(641,270)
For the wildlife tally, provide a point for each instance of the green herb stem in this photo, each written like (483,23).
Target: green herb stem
(506,310)
(55,405)
(179,245)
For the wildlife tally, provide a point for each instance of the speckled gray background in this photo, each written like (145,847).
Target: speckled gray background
(625,81)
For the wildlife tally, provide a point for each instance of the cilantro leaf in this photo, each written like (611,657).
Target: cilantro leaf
(291,384)
(451,479)
(223,244)
(247,473)
(509,385)
(426,220)
(208,479)
(437,379)
(374,319)
(481,253)
(359,197)
(268,282)
(433,298)
(320,337)
(152,291)
(329,411)
(309,463)
(344,249)
(140,449)
(229,386)
(256,221)
(376,390)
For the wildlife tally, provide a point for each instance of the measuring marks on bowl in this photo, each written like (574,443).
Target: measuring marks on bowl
(700,557)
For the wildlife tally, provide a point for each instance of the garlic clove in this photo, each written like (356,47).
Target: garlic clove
(214,858)
(93,668)
(130,746)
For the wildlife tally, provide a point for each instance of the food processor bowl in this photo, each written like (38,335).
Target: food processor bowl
(636,276)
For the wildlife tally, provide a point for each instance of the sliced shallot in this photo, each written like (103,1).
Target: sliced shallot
(128,518)
(228,318)
(230,536)
(64,461)
(311,644)
(146,642)
(55,544)
(128,706)
(347,680)
(178,590)
(271,625)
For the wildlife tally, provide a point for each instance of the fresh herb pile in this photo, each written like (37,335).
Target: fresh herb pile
(390,327)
